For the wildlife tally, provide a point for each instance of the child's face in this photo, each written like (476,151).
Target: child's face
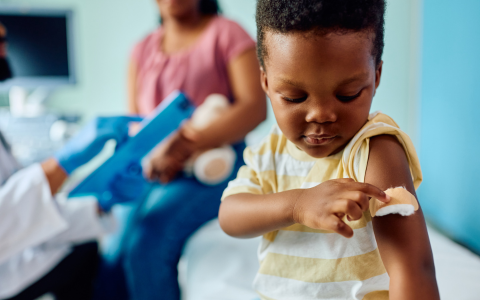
(321,87)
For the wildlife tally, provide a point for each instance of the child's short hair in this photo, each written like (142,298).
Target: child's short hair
(323,15)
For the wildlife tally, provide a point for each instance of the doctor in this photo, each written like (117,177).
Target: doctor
(47,244)
(44,238)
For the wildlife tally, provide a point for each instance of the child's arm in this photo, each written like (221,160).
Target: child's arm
(321,207)
(402,241)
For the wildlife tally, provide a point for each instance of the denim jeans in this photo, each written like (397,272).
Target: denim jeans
(155,235)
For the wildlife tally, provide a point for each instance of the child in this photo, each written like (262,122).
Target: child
(306,188)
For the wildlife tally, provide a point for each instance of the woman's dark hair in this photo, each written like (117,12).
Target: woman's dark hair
(206,7)
(209,7)
(325,16)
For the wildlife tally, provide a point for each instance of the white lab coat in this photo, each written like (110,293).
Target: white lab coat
(37,230)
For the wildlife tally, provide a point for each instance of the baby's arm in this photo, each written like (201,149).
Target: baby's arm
(402,241)
(321,207)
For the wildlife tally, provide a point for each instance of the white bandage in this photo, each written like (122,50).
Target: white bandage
(214,166)
(402,202)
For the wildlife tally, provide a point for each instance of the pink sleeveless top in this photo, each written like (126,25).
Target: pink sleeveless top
(198,71)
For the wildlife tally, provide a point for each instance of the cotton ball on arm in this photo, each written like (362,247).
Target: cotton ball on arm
(402,202)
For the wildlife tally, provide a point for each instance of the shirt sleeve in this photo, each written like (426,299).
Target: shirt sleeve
(234,40)
(247,180)
(83,219)
(28,213)
(30,216)
(140,48)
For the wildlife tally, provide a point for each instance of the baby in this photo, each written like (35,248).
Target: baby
(307,187)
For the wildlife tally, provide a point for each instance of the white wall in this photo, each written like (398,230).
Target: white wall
(399,94)
(107,29)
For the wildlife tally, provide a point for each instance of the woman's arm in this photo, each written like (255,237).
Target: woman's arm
(402,241)
(132,88)
(248,110)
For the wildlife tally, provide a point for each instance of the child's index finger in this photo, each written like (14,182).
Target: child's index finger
(372,191)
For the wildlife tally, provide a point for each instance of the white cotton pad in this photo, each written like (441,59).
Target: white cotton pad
(401,209)
(402,202)
(214,166)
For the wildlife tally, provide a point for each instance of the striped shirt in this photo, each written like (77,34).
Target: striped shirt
(298,262)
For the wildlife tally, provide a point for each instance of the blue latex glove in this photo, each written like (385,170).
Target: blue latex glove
(91,140)
(125,187)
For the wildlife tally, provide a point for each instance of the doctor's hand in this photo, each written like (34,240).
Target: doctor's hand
(169,158)
(91,140)
(124,187)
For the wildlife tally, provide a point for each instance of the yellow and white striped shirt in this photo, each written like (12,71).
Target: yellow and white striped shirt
(298,262)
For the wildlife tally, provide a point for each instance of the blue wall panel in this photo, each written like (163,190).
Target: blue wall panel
(450,118)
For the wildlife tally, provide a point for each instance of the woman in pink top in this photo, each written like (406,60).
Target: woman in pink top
(199,53)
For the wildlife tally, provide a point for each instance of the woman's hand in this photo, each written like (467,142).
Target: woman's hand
(169,158)
(324,206)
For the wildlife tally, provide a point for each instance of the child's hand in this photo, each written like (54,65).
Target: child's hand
(324,206)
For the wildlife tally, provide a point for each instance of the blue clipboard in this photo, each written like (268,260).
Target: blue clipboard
(166,119)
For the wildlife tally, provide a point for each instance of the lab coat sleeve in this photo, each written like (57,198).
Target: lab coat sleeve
(29,215)
(84,222)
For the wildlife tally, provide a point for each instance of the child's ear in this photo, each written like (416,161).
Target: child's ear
(378,75)
(264,80)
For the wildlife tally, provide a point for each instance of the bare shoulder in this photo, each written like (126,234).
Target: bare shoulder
(388,164)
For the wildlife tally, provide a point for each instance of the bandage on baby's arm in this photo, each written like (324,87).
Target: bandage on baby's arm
(402,202)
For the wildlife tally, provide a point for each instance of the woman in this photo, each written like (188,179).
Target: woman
(199,53)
